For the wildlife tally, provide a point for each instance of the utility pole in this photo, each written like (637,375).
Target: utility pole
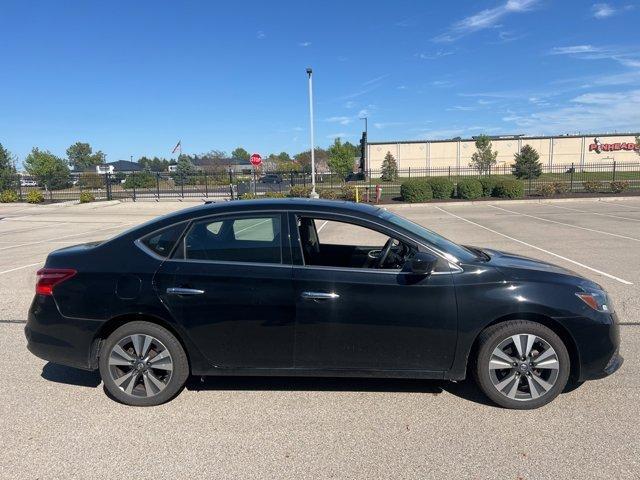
(313,194)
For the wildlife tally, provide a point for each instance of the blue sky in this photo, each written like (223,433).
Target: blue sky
(133,77)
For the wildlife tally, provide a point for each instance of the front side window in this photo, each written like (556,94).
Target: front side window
(246,239)
(332,243)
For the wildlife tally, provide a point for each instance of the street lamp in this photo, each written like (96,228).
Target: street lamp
(366,140)
(313,193)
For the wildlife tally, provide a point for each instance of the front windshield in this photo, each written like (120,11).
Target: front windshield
(445,246)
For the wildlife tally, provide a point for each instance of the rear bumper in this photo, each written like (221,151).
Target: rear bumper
(59,339)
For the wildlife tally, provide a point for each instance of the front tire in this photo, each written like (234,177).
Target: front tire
(143,364)
(521,364)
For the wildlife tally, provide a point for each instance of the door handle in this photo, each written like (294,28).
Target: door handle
(320,295)
(184,291)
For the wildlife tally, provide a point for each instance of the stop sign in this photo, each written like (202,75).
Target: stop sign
(256,159)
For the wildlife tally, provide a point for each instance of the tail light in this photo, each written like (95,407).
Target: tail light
(50,277)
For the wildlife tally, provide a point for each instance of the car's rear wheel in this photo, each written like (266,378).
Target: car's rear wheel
(521,364)
(143,364)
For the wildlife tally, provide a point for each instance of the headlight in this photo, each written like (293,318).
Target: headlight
(596,299)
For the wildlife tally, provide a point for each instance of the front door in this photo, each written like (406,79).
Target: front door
(230,285)
(354,314)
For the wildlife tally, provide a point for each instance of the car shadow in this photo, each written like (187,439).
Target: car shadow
(70,376)
(465,390)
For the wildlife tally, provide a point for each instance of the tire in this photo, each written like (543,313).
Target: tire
(531,383)
(143,364)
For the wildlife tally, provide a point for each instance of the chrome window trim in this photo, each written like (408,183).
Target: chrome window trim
(138,242)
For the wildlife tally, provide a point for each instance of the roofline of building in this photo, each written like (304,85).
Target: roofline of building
(510,137)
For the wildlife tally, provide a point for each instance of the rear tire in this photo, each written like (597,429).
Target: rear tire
(521,364)
(143,364)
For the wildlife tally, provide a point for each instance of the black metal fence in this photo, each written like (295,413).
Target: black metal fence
(572,178)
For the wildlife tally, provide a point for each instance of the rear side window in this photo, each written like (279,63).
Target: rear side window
(162,242)
(246,239)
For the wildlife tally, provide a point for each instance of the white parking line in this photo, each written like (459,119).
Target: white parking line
(20,268)
(567,224)
(600,272)
(323,225)
(618,204)
(596,213)
(65,236)
(8,232)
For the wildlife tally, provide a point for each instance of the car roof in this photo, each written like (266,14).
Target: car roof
(299,204)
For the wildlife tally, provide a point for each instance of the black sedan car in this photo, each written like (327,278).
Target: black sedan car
(316,288)
(271,178)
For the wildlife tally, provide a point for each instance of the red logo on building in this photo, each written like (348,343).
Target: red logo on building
(600,147)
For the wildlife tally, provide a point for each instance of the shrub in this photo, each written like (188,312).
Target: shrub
(330,194)
(545,190)
(140,180)
(416,190)
(488,184)
(619,186)
(469,188)
(441,187)
(35,196)
(91,180)
(508,189)
(593,186)
(248,196)
(300,191)
(87,197)
(274,195)
(348,193)
(560,187)
(8,196)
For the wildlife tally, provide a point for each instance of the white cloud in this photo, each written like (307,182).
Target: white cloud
(596,111)
(383,125)
(363,113)
(626,56)
(434,56)
(573,49)
(304,44)
(461,108)
(340,120)
(484,19)
(602,10)
(375,80)
(401,87)
(260,35)
(350,104)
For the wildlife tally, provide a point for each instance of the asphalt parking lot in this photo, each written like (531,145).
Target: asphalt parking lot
(56,422)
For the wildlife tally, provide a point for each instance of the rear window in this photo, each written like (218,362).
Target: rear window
(162,242)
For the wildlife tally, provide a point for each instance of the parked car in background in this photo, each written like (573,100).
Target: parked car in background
(305,287)
(354,177)
(25,182)
(271,178)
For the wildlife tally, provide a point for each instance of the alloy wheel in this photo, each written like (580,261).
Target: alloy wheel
(140,365)
(524,367)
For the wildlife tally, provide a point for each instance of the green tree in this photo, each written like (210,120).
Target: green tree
(389,168)
(81,156)
(304,158)
(527,163)
(184,170)
(240,153)
(484,158)
(638,145)
(50,171)
(340,158)
(8,175)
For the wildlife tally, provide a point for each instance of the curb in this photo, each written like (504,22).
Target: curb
(509,202)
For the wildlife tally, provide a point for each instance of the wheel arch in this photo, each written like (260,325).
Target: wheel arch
(552,324)
(116,322)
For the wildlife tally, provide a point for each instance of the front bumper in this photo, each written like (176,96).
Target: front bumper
(59,339)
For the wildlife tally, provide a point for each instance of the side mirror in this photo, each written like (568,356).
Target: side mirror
(422,263)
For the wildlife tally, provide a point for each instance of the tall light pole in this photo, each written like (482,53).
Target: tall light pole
(366,141)
(313,193)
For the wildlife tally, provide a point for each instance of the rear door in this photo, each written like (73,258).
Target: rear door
(362,318)
(230,285)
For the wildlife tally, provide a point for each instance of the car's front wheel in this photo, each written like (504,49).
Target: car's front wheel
(143,364)
(521,364)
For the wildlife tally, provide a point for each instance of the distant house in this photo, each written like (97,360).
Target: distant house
(237,165)
(119,166)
